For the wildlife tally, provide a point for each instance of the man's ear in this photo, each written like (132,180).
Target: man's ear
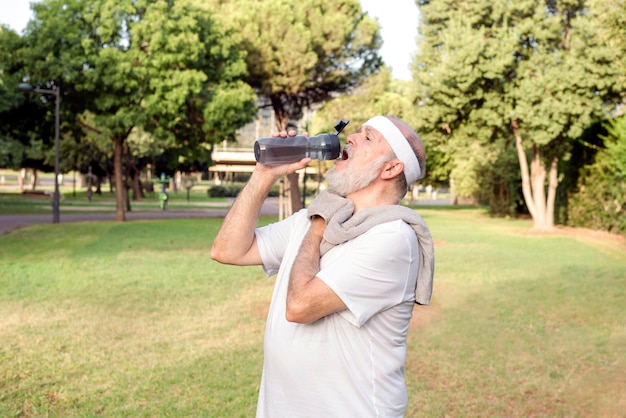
(392,169)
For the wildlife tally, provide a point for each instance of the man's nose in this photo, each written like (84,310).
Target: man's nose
(351,139)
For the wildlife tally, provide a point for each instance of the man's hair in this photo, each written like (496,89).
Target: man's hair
(416,144)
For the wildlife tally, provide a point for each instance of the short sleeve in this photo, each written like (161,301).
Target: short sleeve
(373,272)
(272,241)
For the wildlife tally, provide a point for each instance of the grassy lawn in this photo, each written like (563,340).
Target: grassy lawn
(134,319)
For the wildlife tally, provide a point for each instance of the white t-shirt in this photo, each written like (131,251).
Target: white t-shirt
(351,363)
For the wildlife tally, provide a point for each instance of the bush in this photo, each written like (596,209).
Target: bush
(233,189)
(225,190)
(600,200)
(275,190)
(500,182)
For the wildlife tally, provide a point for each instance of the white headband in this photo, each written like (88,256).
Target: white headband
(399,145)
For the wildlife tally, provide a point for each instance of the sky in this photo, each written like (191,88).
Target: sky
(397,18)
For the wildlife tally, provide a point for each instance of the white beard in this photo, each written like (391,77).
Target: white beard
(349,180)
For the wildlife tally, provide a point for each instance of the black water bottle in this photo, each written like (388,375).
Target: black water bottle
(276,150)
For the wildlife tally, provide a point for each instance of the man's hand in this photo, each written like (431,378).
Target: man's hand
(277,171)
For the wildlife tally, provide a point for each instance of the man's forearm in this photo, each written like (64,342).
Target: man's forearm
(235,239)
(307,262)
(235,242)
(308,297)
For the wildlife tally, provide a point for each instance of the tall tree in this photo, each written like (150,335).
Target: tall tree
(162,65)
(26,121)
(537,72)
(302,52)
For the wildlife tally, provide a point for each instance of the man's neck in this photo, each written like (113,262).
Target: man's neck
(369,197)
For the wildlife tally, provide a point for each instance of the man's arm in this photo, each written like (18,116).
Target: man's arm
(235,242)
(308,297)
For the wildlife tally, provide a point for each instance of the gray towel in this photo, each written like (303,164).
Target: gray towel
(342,226)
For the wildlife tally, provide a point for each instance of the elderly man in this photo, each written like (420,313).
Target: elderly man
(350,269)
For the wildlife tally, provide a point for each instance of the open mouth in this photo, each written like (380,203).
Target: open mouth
(345,153)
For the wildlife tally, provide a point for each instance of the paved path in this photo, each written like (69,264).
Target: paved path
(11,222)
(270,208)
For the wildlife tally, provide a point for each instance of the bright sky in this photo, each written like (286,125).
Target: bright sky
(397,18)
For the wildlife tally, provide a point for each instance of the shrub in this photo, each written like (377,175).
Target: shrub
(225,190)
(233,189)
(600,200)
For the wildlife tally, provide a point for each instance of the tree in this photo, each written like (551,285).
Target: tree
(301,53)
(534,72)
(26,121)
(165,66)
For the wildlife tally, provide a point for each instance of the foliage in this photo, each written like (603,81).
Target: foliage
(92,149)
(488,72)
(170,70)
(488,175)
(612,17)
(165,67)
(26,120)
(225,190)
(499,181)
(232,190)
(600,202)
(615,143)
(9,43)
(301,54)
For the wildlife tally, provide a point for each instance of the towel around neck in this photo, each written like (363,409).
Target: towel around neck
(343,225)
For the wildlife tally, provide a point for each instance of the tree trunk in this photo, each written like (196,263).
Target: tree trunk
(127,177)
(98,185)
(534,184)
(523,165)
(127,198)
(537,182)
(20,179)
(33,184)
(137,187)
(132,177)
(293,190)
(119,181)
(553,182)
(176,180)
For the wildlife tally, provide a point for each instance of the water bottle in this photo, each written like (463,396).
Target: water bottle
(276,150)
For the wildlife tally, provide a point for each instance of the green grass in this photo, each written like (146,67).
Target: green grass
(134,319)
